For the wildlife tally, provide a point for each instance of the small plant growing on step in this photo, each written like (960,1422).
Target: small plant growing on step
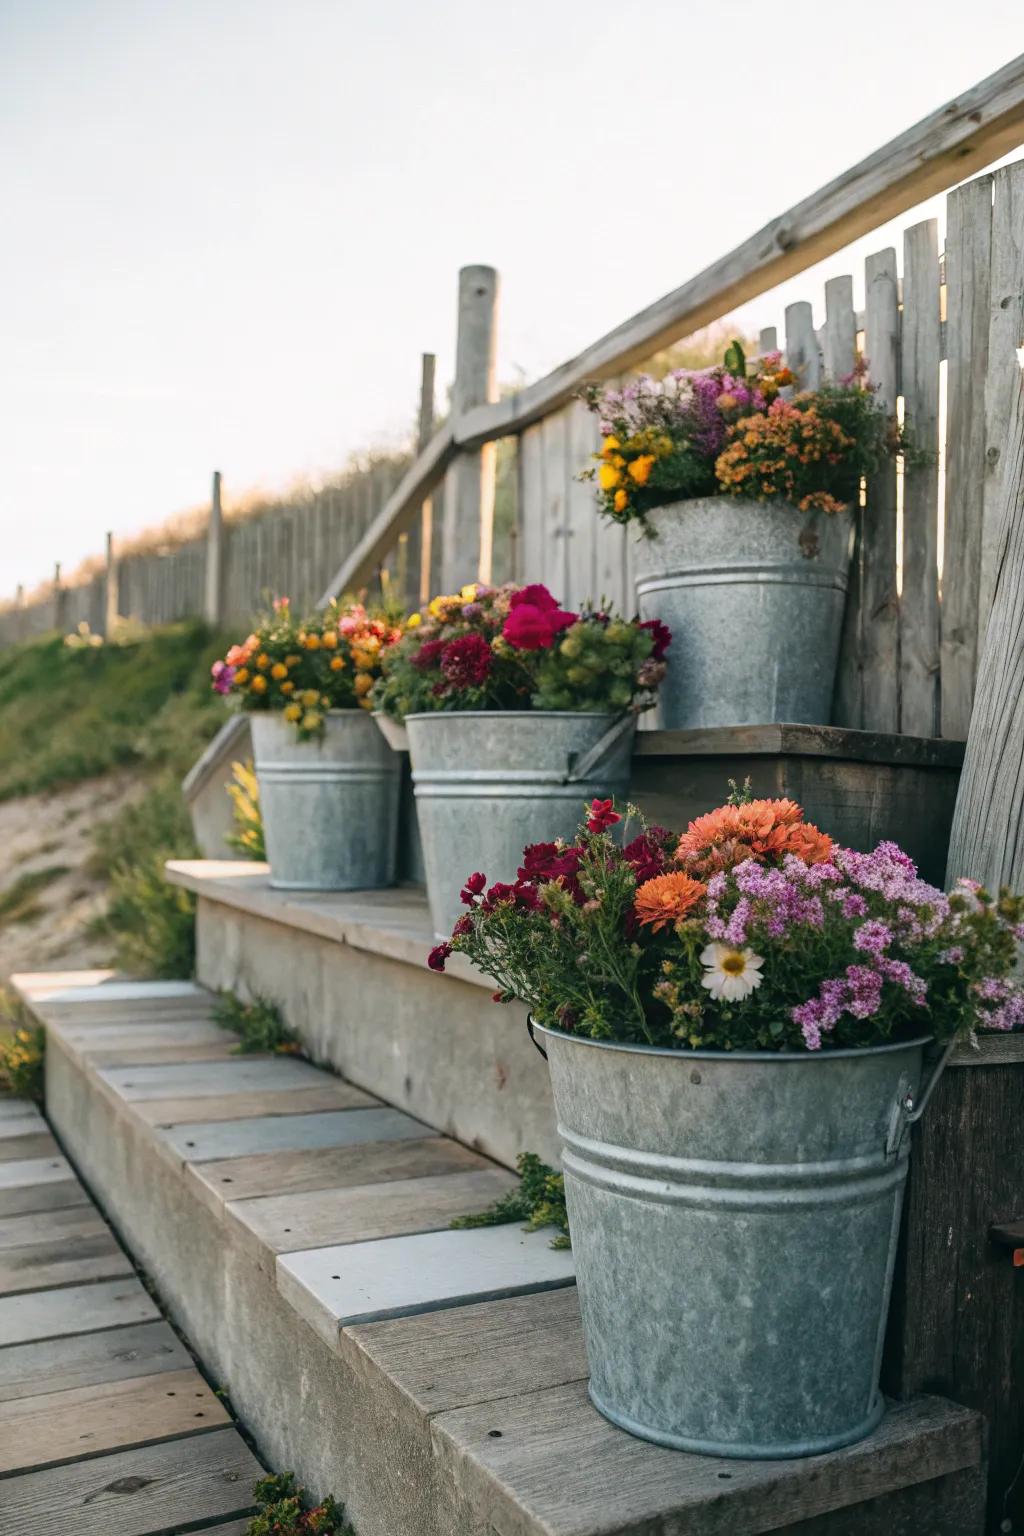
(22,1059)
(259,1025)
(247,838)
(539,1201)
(285,1510)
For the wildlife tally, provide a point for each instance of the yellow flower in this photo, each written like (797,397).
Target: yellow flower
(439,607)
(263,661)
(621,501)
(640,469)
(310,697)
(292,661)
(365,661)
(608,477)
(311,720)
(293,712)
(365,703)
(325,701)
(330,639)
(287,688)
(362,683)
(468,593)
(337,663)
(258,684)
(414,621)
(610,445)
(241,676)
(312,642)
(278,670)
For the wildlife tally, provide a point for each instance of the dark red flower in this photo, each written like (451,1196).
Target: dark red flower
(662,636)
(472,888)
(438,955)
(535,619)
(549,861)
(463,926)
(522,895)
(602,815)
(467,661)
(649,853)
(427,655)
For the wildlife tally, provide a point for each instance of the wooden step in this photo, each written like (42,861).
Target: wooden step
(435,1380)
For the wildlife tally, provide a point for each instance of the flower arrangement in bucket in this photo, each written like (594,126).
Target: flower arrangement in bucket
(744,491)
(328,783)
(735,1022)
(515,706)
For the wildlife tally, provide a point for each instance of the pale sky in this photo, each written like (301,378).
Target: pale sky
(230,227)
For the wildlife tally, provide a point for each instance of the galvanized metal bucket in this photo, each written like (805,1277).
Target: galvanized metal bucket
(734,1218)
(489,782)
(330,806)
(754,595)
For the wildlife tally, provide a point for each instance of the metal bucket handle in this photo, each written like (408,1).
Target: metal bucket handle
(533,1037)
(580,769)
(907,1110)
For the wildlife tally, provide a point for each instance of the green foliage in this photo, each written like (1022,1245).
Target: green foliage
(22,1059)
(69,713)
(18,902)
(539,1201)
(247,838)
(285,1510)
(259,1025)
(151,923)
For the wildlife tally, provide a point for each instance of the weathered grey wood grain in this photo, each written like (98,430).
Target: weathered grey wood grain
(39,1266)
(469,484)
(510,1458)
(992,1050)
(211,1079)
(840,328)
(919,606)
(554,567)
(142,1492)
(479,1353)
(28,1124)
(331,1094)
(16,1109)
(802,353)
(530,469)
(50,1227)
(20,1149)
(75,1309)
(90,1037)
(880,632)
(1005,335)
(82,1421)
(335,1168)
(767,340)
(581,509)
(319,1217)
(34,1170)
(290,1133)
(82,1360)
(22,1199)
(968,256)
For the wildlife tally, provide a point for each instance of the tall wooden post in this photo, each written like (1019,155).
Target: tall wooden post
(112,607)
(421,541)
(19,603)
(469,483)
(214,593)
(58,598)
(987,839)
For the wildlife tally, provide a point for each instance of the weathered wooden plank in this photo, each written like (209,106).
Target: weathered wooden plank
(968,256)
(16,1109)
(91,1036)
(880,634)
(802,352)
(840,328)
(210,1079)
(75,1309)
(554,569)
(35,1170)
(20,1149)
(919,602)
(40,1266)
(29,1123)
(148,1491)
(580,508)
(225,1049)
(479,1353)
(290,1133)
(357,1214)
(767,340)
(332,1094)
(50,1227)
(334,1168)
(511,1457)
(531,539)
(22,1199)
(57,1365)
(1005,335)
(398,1276)
(82,1421)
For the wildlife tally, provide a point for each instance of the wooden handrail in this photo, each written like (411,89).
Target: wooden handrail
(938,152)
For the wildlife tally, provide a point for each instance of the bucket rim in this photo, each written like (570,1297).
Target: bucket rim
(515,714)
(636,1048)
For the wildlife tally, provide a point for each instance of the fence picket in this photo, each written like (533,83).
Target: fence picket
(581,506)
(531,504)
(840,327)
(968,258)
(919,603)
(880,633)
(802,352)
(1005,334)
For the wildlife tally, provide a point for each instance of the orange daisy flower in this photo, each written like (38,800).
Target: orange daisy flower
(665,899)
(762,830)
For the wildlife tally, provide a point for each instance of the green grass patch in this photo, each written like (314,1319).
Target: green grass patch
(70,713)
(260,1025)
(539,1201)
(19,901)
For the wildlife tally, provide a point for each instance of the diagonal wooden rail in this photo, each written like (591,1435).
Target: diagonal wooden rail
(951,144)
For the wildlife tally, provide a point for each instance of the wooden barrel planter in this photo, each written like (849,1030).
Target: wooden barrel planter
(956,1325)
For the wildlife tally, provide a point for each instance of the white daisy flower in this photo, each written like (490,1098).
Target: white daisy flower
(730,974)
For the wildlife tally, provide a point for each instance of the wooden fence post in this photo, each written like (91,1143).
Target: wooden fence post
(469,483)
(112,604)
(58,598)
(987,839)
(214,590)
(421,540)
